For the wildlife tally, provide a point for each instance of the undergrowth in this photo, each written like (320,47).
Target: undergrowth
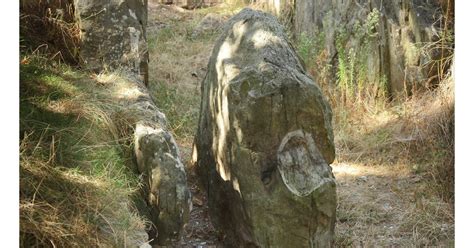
(182,120)
(76,180)
(417,131)
(179,54)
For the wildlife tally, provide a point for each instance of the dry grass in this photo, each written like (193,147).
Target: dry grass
(418,132)
(178,64)
(75,178)
(396,181)
(64,208)
(387,206)
(48,28)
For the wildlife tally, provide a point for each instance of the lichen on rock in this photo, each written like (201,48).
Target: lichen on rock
(301,165)
(265,141)
(113,35)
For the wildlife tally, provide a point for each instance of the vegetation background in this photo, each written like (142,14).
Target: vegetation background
(463,122)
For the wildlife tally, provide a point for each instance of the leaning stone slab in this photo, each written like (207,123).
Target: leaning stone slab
(265,141)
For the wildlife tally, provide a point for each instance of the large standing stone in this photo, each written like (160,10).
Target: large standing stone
(265,140)
(113,35)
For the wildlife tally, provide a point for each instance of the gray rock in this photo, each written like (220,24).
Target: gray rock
(362,179)
(265,140)
(113,35)
(166,198)
(137,239)
(165,178)
(394,52)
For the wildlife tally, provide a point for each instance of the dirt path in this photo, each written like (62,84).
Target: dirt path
(385,207)
(379,206)
(178,64)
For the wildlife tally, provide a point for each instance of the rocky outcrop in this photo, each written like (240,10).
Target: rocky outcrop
(389,39)
(265,141)
(391,33)
(113,35)
(165,186)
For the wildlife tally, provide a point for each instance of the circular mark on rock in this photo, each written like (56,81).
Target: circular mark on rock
(301,164)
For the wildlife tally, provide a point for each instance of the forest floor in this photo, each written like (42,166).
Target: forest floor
(379,204)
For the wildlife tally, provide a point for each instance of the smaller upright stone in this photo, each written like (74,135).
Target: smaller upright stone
(167,192)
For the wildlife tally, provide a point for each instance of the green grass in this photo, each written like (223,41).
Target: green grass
(175,103)
(162,35)
(309,47)
(177,52)
(76,180)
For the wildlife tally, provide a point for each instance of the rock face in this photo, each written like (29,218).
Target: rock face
(167,197)
(388,38)
(265,140)
(166,201)
(168,194)
(395,33)
(113,34)
(165,187)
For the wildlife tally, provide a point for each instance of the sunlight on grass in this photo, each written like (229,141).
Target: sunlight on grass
(355,170)
(74,176)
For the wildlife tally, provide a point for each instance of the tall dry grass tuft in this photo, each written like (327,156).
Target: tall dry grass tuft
(76,185)
(61,207)
(49,28)
(416,130)
(52,202)
(433,115)
(418,133)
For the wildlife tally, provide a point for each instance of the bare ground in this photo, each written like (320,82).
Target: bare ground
(379,205)
(384,207)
